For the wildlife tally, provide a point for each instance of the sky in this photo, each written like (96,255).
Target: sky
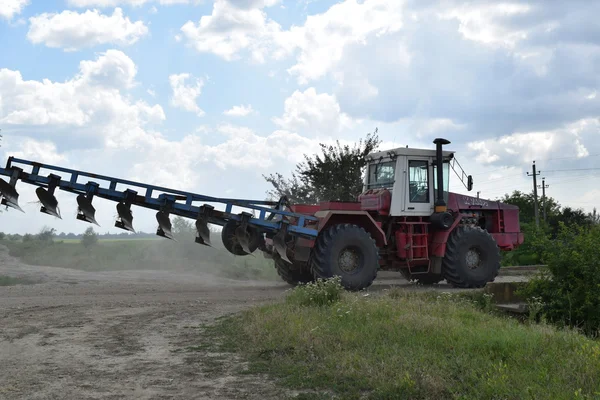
(209,96)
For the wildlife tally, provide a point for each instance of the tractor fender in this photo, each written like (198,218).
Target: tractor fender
(360,218)
(439,239)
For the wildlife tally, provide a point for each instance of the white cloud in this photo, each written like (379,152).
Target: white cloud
(239,111)
(565,142)
(185,95)
(40,150)
(94,98)
(74,31)
(230,30)
(320,41)
(313,113)
(114,3)
(10,8)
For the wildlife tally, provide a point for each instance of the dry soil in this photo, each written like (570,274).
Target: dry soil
(115,335)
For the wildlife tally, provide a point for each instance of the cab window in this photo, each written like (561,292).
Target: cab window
(382,175)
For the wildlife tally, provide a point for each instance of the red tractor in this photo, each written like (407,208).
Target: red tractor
(405,220)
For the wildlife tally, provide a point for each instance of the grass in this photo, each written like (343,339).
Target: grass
(409,346)
(12,281)
(148,254)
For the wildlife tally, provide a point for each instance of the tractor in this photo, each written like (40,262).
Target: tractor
(405,220)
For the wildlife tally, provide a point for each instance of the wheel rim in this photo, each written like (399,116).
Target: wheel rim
(473,258)
(349,259)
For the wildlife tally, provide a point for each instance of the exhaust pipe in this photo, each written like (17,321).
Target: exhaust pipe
(441,218)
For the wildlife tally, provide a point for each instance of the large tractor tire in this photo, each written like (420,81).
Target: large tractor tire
(294,274)
(472,258)
(347,251)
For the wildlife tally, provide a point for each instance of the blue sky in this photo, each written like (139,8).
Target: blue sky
(140,89)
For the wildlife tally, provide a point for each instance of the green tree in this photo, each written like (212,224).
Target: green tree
(569,290)
(526,204)
(2,235)
(183,227)
(89,238)
(335,174)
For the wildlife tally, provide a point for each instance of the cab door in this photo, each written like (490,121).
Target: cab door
(418,193)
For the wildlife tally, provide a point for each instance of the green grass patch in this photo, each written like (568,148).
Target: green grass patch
(143,254)
(12,281)
(410,346)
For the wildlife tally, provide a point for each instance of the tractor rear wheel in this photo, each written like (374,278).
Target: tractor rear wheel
(347,251)
(472,258)
(294,274)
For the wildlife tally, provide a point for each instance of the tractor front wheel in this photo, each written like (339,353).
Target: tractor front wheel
(347,251)
(472,258)
(294,274)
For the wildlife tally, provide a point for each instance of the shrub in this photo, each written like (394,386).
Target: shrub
(567,292)
(89,238)
(319,293)
(2,235)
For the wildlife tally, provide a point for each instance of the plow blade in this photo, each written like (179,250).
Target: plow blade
(125,220)
(243,238)
(203,232)
(86,211)
(164,225)
(279,243)
(10,197)
(49,202)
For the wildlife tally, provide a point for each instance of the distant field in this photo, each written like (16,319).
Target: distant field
(142,253)
(78,241)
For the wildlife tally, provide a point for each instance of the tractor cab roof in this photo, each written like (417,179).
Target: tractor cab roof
(406,151)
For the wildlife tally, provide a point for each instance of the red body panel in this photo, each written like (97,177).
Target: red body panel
(339,205)
(379,200)
(362,218)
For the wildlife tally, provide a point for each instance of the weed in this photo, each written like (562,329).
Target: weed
(426,346)
(319,293)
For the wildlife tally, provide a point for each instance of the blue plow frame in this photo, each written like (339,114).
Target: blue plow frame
(271,215)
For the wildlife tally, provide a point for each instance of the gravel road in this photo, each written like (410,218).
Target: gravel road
(115,335)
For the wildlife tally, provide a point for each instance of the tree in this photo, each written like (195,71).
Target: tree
(46,235)
(183,227)
(336,174)
(89,238)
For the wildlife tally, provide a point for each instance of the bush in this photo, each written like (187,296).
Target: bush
(568,290)
(89,238)
(319,293)
(2,235)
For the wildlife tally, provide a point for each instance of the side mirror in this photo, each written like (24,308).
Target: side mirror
(469,183)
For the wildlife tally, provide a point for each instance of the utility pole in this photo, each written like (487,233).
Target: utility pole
(535,196)
(544,186)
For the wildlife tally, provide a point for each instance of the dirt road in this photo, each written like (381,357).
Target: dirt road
(115,335)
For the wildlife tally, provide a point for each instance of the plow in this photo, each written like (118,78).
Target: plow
(405,220)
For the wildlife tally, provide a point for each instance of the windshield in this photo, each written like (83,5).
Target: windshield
(382,175)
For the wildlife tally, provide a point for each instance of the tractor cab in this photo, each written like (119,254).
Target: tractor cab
(408,176)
